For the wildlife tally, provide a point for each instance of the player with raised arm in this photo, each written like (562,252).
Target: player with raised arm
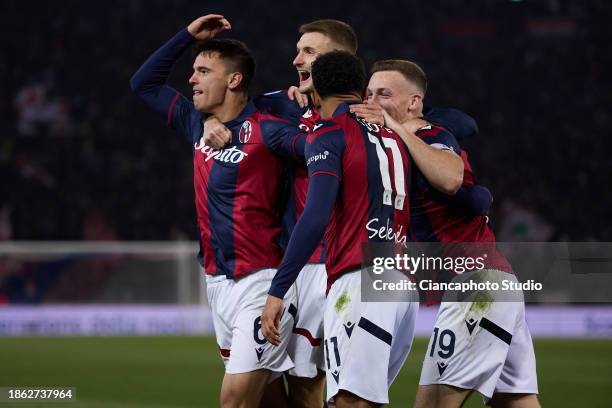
(306,380)
(238,196)
(349,162)
(317,38)
(484,346)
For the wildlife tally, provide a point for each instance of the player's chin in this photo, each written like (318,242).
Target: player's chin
(200,106)
(306,87)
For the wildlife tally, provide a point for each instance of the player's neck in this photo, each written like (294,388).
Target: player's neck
(414,114)
(330,104)
(231,107)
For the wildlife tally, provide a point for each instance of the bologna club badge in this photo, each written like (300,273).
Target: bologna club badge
(245,132)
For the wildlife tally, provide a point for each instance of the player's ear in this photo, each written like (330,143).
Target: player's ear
(234,80)
(415,101)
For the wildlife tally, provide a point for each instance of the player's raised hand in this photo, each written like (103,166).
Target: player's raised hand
(390,122)
(370,112)
(295,95)
(216,135)
(206,27)
(270,319)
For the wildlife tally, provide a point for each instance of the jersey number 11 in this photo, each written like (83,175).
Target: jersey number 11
(398,171)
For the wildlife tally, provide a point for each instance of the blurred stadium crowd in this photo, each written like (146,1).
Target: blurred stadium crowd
(81,158)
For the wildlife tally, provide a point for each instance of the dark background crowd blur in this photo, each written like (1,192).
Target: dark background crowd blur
(82,158)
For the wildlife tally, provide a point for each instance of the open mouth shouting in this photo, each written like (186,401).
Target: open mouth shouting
(304,76)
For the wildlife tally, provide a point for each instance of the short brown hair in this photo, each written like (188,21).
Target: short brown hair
(338,31)
(235,54)
(411,71)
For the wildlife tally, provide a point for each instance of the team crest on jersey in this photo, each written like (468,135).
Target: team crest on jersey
(307,114)
(245,132)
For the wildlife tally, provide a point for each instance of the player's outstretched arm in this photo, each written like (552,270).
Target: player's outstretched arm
(149,82)
(308,232)
(443,169)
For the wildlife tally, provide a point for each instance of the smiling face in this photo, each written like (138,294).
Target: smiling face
(210,81)
(309,47)
(398,96)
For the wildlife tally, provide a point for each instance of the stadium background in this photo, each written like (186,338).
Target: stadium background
(82,160)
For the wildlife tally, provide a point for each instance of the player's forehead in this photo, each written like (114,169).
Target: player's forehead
(210,60)
(317,41)
(390,80)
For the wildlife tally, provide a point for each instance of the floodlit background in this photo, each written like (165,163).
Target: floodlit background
(97,220)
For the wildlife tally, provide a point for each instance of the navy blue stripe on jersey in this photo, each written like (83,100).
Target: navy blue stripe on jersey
(223,216)
(375,330)
(323,252)
(421,229)
(223,178)
(496,330)
(289,218)
(308,232)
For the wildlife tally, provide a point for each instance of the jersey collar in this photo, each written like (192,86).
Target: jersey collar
(344,107)
(248,111)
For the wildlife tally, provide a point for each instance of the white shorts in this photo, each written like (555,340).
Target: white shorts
(483,346)
(306,344)
(366,343)
(236,308)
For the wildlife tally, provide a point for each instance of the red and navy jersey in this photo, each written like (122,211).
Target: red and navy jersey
(434,220)
(372,165)
(305,118)
(238,190)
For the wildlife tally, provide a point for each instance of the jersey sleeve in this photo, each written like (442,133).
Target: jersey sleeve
(455,121)
(149,83)
(307,234)
(439,138)
(278,104)
(324,150)
(282,137)
(473,199)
